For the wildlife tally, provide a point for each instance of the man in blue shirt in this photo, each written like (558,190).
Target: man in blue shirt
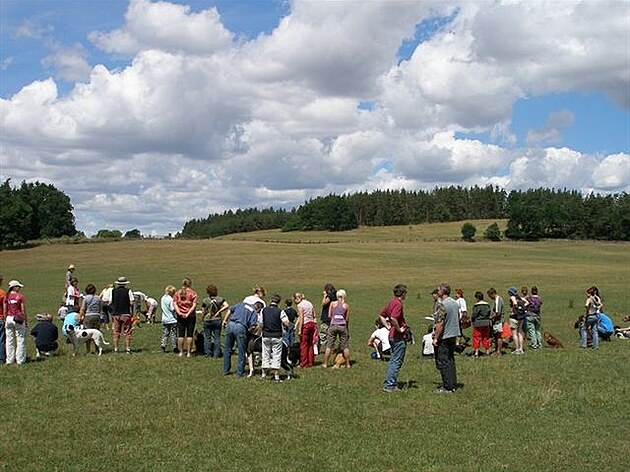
(241,318)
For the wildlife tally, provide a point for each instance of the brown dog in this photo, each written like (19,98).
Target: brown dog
(552,340)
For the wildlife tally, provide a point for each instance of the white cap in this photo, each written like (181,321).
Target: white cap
(15,283)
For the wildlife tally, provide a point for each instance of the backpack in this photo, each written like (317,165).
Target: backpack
(519,310)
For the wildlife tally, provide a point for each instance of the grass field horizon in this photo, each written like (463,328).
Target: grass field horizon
(548,410)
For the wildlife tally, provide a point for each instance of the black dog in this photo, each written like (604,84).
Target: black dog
(290,358)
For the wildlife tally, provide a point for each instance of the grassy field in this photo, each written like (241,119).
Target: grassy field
(547,410)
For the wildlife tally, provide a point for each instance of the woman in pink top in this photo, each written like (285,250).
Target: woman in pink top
(185,303)
(338,313)
(15,324)
(307,327)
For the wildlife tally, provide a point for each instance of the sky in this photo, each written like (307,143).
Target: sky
(150,113)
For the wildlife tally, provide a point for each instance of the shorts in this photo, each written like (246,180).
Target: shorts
(518,324)
(339,332)
(186,327)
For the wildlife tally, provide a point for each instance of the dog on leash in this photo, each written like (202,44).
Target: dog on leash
(552,340)
(81,336)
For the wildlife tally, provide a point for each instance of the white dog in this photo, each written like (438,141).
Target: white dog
(81,335)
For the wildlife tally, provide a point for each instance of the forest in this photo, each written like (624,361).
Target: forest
(532,214)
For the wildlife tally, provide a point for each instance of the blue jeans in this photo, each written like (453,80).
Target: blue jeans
(288,337)
(533,331)
(212,329)
(397,357)
(3,352)
(590,322)
(235,333)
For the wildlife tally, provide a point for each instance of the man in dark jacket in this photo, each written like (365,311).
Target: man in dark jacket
(46,335)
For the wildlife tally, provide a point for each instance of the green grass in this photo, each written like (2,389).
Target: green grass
(548,410)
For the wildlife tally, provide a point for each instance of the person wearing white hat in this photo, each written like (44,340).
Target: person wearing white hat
(69,276)
(15,325)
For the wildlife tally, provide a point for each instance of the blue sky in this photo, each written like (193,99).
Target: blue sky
(234,103)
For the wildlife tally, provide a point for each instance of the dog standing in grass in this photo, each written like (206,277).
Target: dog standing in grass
(78,336)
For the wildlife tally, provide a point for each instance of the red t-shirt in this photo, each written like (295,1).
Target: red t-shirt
(184,304)
(15,305)
(394,310)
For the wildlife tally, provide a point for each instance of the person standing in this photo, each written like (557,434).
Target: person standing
(73,296)
(518,320)
(592,309)
(497,313)
(106,300)
(307,327)
(3,298)
(329,295)
(273,319)
(15,324)
(237,322)
(445,332)
(213,308)
(338,332)
(90,313)
(288,338)
(393,318)
(122,310)
(169,319)
(481,324)
(533,318)
(185,303)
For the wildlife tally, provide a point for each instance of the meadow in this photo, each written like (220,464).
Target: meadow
(547,410)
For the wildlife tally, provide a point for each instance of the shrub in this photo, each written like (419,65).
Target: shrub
(493,233)
(468,232)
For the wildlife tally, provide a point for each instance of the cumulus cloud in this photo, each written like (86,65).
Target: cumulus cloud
(199,121)
(69,63)
(167,27)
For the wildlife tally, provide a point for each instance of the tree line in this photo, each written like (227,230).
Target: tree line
(36,211)
(532,214)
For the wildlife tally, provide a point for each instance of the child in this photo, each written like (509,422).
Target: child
(428,349)
(379,341)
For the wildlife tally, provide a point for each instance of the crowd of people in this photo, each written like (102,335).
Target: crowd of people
(278,330)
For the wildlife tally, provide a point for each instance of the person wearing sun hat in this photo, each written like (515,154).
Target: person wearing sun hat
(69,276)
(16,324)
(122,310)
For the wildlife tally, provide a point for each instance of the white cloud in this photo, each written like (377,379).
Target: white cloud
(199,122)
(165,26)
(69,63)
(613,173)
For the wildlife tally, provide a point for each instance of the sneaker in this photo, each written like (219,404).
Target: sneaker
(116,350)
(390,389)
(277,380)
(163,348)
(128,351)
(442,390)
